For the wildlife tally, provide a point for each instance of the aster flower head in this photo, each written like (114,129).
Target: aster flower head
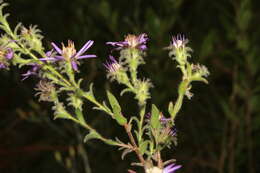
(179,51)
(9,53)
(68,53)
(200,70)
(131,41)
(115,71)
(46,91)
(34,70)
(163,119)
(6,54)
(199,73)
(171,168)
(179,41)
(167,128)
(112,65)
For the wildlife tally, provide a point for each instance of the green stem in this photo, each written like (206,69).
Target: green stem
(181,92)
(140,127)
(136,149)
(88,127)
(99,105)
(133,63)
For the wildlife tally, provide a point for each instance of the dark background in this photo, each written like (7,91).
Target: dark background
(218,130)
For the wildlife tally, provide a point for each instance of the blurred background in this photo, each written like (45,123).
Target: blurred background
(218,130)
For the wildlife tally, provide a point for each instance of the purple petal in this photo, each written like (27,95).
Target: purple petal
(109,63)
(33,71)
(27,75)
(112,59)
(120,43)
(171,168)
(74,65)
(86,56)
(48,59)
(56,48)
(84,48)
(142,38)
(49,53)
(2,66)
(59,57)
(10,53)
(142,47)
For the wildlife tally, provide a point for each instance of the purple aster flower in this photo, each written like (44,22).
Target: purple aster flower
(179,41)
(2,66)
(132,41)
(33,71)
(171,168)
(9,53)
(163,119)
(6,54)
(168,129)
(70,54)
(112,65)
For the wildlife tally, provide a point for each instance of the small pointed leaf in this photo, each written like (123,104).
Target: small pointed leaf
(91,135)
(143,147)
(116,109)
(155,118)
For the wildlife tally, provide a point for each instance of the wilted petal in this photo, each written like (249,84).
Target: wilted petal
(33,71)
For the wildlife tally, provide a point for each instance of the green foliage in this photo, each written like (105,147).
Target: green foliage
(155,117)
(117,114)
(225,37)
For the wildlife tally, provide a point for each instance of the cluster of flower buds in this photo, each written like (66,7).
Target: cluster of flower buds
(31,38)
(180,52)
(124,70)
(165,133)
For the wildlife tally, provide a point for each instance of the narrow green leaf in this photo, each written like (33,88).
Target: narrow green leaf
(89,95)
(113,101)
(155,118)
(61,116)
(116,109)
(200,79)
(125,152)
(143,147)
(118,116)
(170,109)
(80,116)
(92,135)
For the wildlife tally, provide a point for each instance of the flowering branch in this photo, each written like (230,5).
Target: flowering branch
(56,70)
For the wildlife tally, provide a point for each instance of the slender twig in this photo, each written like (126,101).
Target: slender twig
(132,140)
